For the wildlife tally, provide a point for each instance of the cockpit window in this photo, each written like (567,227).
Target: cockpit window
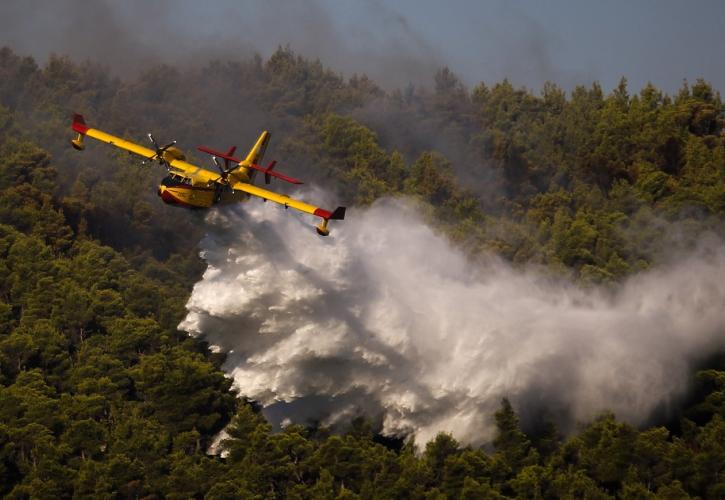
(175,180)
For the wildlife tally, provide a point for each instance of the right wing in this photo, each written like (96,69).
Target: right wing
(79,125)
(179,166)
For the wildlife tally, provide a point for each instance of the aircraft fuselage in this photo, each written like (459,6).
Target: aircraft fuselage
(181,192)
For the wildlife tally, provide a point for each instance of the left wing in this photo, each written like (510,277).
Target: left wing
(325,215)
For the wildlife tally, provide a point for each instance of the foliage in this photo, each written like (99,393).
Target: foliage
(101,396)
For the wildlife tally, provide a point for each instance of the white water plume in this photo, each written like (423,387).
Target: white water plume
(385,318)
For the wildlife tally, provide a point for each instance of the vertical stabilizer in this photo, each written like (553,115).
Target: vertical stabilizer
(257,152)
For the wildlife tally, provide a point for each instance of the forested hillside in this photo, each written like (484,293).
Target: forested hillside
(102,397)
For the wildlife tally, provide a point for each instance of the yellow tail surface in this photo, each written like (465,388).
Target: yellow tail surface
(257,152)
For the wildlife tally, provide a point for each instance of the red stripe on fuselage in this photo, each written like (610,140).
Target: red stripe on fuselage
(170,199)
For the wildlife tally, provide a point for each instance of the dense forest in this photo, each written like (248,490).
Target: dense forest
(102,397)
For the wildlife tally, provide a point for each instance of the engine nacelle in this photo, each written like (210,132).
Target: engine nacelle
(172,154)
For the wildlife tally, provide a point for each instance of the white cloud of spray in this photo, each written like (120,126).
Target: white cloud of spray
(386,318)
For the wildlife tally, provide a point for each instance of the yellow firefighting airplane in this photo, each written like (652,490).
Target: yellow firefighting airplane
(194,187)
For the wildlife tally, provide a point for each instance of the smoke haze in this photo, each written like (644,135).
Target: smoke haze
(135,35)
(386,319)
(394,43)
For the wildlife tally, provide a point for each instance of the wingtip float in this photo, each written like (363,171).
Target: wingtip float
(190,186)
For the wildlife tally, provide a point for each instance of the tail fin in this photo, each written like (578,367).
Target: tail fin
(257,152)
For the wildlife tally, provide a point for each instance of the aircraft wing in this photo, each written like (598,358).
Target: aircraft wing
(79,125)
(285,200)
(177,166)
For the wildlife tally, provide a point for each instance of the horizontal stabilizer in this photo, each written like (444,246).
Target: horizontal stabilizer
(268,172)
(219,154)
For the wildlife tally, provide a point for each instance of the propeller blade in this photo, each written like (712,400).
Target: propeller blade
(168,146)
(153,141)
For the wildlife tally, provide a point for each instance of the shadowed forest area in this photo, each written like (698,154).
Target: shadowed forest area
(102,397)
